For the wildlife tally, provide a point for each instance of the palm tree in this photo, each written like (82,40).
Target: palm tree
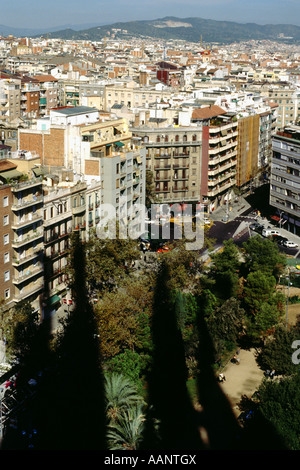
(127,433)
(120,394)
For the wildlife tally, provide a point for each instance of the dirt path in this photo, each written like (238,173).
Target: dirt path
(242,379)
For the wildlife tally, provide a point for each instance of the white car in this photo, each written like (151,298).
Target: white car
(290,244)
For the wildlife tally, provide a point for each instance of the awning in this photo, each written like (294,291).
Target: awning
(38,171)
(120,144)
(10,174)
(53,300)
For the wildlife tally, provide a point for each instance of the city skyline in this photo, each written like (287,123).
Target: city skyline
(39,15)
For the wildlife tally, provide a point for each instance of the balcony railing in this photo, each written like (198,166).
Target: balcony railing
(28,239)
(26,203)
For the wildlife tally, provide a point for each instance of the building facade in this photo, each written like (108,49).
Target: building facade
(173,155)
(285,178)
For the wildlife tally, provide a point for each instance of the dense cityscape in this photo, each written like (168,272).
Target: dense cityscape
(117,332)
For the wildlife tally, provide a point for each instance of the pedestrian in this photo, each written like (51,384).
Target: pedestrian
(272,374)
(238,351)
(222,377)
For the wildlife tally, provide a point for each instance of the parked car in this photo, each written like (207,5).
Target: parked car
(269,231)
(255,226)
(290,244)
(163,249)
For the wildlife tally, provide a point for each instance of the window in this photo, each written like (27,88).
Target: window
(6,239)
(6,276)
(7,294)
(5,220)
(6,257)
(5,201)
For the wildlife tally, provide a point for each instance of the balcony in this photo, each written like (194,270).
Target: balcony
(79,209)
(32,290)
(25,259)
(28,239)
(22,203)
(21,224)
(177,188)
(33,271)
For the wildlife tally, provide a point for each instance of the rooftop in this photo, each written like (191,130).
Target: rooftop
(73,110)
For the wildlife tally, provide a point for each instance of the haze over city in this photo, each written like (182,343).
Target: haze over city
(57,13)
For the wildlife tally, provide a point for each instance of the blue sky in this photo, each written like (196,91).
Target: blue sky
(39,14)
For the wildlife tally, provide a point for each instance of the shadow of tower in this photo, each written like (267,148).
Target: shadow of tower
(171,422)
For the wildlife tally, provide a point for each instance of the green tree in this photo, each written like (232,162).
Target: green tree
(183,265)
(108,260)
(123,317)
(280,405)
(130,364)
(151,196)
(263,304)
(277,351)
(226,325)
(127,432)
(22,329)
(225,270)
(121,394)
(262,254)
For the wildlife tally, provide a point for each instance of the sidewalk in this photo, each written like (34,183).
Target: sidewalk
(242,379)
(235,208)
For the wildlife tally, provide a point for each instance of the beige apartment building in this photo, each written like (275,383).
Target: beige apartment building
(173,154)
(10,93)
(287,98)
(132,95)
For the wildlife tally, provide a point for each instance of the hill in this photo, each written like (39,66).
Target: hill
(188,29)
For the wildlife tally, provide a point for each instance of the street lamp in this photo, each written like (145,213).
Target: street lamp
(287,299)
(280,214)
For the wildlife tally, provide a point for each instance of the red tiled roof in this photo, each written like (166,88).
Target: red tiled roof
(45,78)
(208,112)
(5,165)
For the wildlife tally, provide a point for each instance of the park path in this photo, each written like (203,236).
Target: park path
(242,379)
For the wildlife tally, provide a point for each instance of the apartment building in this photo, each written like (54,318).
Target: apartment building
(10,92)
(285,177)
(9,135)
(57,225)
(48,97)
(132,95)
(173,154)
(267,127)
(7,288)
(120,161)
(219,155)
(22,237)
(247,150)
(30,97)
(57,139)
(286,97)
